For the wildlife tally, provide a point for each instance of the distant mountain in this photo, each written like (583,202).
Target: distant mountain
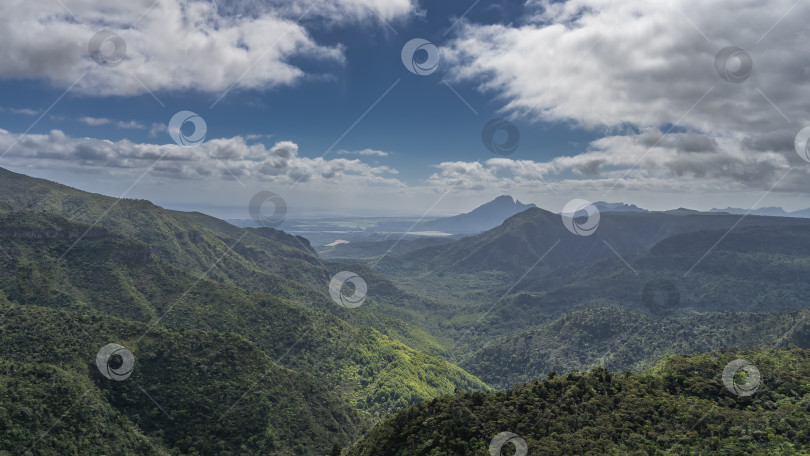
(766,211)
(531,270)
(617,207)
(482,218)
(507,252)
(683,211)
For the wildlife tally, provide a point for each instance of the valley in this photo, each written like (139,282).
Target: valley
(196,299)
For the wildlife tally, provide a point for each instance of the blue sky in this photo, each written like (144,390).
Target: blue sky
(613,101)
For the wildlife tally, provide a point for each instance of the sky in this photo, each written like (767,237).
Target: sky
(409,107)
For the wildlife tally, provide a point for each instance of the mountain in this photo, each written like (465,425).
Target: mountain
(119,276)
(165,272)
(498,286)
(617,207)
(766,211)
(482,218)
(192,392)
(620,340)
(208,308)
(536,242)
(680,406)
(255,259)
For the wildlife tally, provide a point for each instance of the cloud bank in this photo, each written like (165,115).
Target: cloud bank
(173,44)
(221,159)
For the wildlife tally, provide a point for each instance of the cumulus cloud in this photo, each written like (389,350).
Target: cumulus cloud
(608,65)
(645,161)
(344,10)
(23,111)
(600,62)
(365,153)
(170,45)
(99,121)
(224,158)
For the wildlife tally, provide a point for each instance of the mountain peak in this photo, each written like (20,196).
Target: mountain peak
(617,207)
(505,201)
(484,217)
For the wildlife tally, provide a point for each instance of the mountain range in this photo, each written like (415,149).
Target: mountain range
(79,259)
(239,347)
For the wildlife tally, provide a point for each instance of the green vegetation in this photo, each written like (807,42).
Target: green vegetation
(186,288)
(620,340)
(117,276)
(240,349)
(680,406)
(255,259)
(53,397)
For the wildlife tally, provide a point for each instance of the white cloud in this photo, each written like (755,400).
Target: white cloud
(348,10)
(601,62)
(648,65)
(365,153)
(94,121)
(224,158)
(171,45)
(99,121)
(156,128)
(24,111)
(648,161)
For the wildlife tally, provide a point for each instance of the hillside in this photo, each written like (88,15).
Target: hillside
(256,259)
(620,340)
(680,406)
(758,267)
(54,400)
(119,276)
(754,269)
(482,218)
(195,282)
(486,265)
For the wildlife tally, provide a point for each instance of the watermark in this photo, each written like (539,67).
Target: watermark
(424,67)
(733,64)
(176,128)
(498,442)
(279,209)
(107,48)
(509,144)
(661,297)
(354,300)
(801,144)
(738,367)
(573,213)
(106,360)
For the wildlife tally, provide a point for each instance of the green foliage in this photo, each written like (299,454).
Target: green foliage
(680,406)
(117,276)
(620,340)
(190,392)
(189,284)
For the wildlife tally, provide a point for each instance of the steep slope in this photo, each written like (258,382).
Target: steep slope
(536,242)
(621,340)
(681,406)
(754,269)
(482,218)
(119,276)
(189,391)
(257,259)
